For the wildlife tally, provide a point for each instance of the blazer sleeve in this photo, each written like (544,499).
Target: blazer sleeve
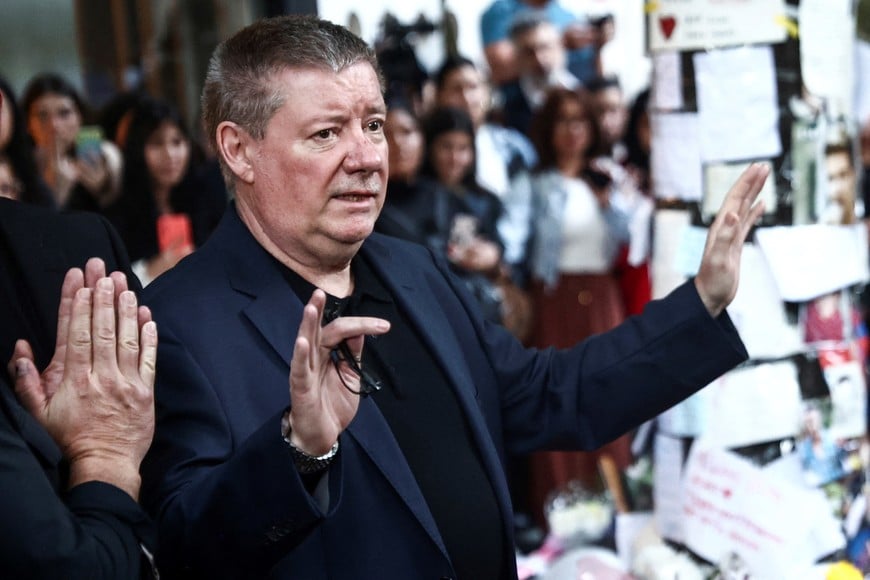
(93,531)
(588,395)
(224,508)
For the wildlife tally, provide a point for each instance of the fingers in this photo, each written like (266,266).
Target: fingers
(104,334)
(95,269)
(28,385)
(128,334)
(351,327)
(745,190)
(78,349)
(72,282)
(120,281)
(148,354)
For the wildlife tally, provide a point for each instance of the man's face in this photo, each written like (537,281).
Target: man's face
(464,89)
(841,183)
(540,51)
(319,174)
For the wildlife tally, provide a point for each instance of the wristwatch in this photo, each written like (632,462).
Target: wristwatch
(306,464)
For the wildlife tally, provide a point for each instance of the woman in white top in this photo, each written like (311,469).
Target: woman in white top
(575,236)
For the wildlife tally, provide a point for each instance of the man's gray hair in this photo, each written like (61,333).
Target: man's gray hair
(528,21)
(238,86)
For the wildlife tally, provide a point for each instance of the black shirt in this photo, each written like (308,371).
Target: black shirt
(424,415)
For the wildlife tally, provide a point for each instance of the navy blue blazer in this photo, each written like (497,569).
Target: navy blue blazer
(219,478)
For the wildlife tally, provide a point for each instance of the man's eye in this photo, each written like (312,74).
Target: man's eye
(376,126)
(324,134)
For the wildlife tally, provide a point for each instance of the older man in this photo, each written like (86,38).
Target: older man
(330,402)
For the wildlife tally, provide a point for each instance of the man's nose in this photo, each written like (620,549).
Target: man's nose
(365,154)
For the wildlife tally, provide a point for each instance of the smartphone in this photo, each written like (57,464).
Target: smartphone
(175,232)
(88,143)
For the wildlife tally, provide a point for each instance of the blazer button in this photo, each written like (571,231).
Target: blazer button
(584,297)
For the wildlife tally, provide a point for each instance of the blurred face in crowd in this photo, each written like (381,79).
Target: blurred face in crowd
(452,157)
(611,114)
(5,122)
(314,185)
(54,121)
(841,184)
(540,52)
(406,144)
(167,154)
(9,186)
(571,131)
(465,88)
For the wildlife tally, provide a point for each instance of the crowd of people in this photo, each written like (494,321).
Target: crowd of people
(437,390)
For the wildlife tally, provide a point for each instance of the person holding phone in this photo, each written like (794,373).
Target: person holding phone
(82,169)
(167,209)
(575,233)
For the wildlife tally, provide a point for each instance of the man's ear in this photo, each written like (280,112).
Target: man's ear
(233,145)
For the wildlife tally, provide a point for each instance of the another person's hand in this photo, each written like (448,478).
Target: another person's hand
(60,172)
(96,397)
(719,273)
(480,255)
(93,174)
(321,405)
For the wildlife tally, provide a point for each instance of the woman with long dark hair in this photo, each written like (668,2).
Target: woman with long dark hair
(165,210)
(17,148)
(81,173)
(576,234)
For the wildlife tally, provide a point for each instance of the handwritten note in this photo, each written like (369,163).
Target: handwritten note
(705,24)
(730,505)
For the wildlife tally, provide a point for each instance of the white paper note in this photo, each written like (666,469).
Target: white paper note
(757,310)
(753,405)
(706,24)
(667,472)
(667,85)
(775,526)
(738,114)
(668,228)
(675,156)
(835,255)
(827,51)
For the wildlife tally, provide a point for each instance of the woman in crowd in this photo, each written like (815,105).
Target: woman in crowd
(407,209)
(21,180)
(576,234)
(465,215)
(165,212)
(82,170)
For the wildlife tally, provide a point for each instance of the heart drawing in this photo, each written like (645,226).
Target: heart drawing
(667,25)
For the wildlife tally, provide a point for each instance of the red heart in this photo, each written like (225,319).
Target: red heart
(667,24)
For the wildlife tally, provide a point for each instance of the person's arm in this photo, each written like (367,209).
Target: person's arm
(95,530)
(95,399)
